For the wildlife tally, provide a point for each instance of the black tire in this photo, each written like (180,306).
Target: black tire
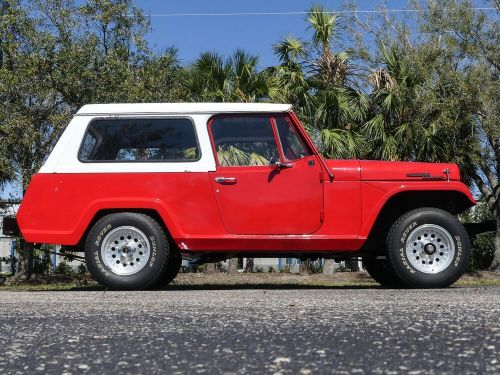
(401,232)
(155,265)
(171,270)
(381,271)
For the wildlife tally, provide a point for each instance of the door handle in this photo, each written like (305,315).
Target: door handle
(226,180)
(279,165)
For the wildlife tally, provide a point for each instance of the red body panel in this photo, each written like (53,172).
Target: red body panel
(377,193)
(295,209)
(186,203)
(377,170)
(271,198)
(57,208)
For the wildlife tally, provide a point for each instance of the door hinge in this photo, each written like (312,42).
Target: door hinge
(321,176)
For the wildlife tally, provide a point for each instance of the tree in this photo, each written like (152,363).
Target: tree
(435,97)
(322,86)
(235,78)
(31,114)
(473,41)
(56,57)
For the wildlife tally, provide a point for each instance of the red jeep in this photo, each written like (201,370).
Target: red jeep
(138,187)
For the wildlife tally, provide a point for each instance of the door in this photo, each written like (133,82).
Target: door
(267,180)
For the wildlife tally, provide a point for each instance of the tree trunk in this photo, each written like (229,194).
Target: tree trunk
(495,265)
(249,265)
(352,265)
(24,266)
(329,267)
(233,265)
(304,267)
(210,268)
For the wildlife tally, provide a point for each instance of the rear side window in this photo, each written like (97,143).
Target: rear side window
(126,140)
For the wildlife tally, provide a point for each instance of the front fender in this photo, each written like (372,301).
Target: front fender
(375,195)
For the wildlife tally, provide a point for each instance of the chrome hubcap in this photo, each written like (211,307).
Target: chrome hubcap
(430,248)
(125,250)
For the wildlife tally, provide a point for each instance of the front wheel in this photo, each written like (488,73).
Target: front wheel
(428,248)
(126,251)
(381,271)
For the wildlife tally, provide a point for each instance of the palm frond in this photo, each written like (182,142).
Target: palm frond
(290,50)
(324,24)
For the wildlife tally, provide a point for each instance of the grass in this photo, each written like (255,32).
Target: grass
(478,282)
(221,281)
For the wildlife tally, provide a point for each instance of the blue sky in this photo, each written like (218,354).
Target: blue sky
(255,34)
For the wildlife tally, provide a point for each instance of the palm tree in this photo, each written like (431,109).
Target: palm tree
(390,128)
(249,85)
(235,78)
(211,78)
(396,126)
(290,76)
(321,84)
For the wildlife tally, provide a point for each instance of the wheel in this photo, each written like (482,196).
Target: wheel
(428,248)
(126,251)
(171,270)
(381,271)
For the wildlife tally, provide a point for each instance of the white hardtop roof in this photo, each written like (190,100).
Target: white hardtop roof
(185,108)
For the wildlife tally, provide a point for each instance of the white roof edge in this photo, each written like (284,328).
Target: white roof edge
(167,108)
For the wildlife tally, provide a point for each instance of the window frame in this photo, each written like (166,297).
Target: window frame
(299,135)
(229,115)
(107,118)
(271,118)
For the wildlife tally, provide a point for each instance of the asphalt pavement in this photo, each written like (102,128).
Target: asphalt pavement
(298,331)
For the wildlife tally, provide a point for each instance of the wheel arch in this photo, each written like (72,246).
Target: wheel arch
(452,201)
(155,214)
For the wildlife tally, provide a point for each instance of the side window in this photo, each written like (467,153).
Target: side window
(293,146)
(244,140)
(125,140)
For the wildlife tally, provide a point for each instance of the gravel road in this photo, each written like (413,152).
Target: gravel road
(299,331)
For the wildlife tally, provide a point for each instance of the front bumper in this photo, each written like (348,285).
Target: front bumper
(10,227)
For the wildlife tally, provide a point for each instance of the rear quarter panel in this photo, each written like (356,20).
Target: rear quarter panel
(57,208)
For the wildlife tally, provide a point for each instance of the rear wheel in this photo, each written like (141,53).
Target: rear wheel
(428,248)
(171,270)
(381,271)
(127,251)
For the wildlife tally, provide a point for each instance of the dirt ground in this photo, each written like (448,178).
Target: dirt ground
(222,280)
(337,279)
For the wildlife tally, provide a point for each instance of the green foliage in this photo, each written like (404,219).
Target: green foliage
(321,84)
(82,269)
(64,268)
(315,266)
(236,78)
(41,263)
(483,251)
(324,24)
(241,154)
(483,246)
(286,268)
